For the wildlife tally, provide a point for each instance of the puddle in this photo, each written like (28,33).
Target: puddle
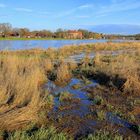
(77,94)
(78,57)
(72,110)
(117,120)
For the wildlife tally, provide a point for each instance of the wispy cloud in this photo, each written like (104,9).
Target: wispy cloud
(114,6)
(82,16)
(85,6)
(2,5)
(101,15)
(120,6)
(65,13)
(74,10)
(99,10)
(4,16)
(44,13)
(23,10)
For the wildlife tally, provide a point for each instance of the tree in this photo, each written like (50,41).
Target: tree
(24,32)
(5,29)
(60,33)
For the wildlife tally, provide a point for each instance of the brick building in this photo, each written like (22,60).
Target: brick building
(74,34)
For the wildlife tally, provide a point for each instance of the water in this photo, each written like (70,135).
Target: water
(78,94)
(78,57)
(73,118)
(81,110)
(28,44)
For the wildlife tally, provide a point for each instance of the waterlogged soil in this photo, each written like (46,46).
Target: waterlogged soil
(78,113)
(78,57)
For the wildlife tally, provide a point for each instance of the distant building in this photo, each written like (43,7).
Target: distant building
(74,34)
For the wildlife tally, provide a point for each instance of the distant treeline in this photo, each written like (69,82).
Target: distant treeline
(125,37)
(136,37)
(6,30)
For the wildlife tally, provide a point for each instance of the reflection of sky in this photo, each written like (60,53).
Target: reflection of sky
(5,45)
(28,44)
(78,94)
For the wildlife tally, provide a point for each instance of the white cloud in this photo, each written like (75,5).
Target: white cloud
(23,9)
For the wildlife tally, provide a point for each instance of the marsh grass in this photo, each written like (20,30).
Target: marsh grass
(20,90)
(23,74)
(40,134)
(101,115)
(63,73)
(65,96)
(98,100)
(104,135)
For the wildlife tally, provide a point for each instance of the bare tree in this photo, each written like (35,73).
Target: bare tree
(5,29)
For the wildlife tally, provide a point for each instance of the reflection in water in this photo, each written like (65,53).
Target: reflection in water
(28,44)
(81,110)
(5,45)
(78,94)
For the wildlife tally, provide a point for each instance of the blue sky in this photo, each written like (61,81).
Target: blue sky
(53,14)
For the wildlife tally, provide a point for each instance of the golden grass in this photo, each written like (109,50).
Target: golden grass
(76,49)
(20,90)
(97,59)
(63,73)
(22,74)
(126,66)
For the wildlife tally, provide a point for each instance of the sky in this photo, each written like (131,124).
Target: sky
(73,14)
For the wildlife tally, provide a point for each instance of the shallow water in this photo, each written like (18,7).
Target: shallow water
(82,109)
(78,57)
(78,94)
(28,44)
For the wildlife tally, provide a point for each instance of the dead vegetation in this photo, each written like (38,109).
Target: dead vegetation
(20,90)
(23,74)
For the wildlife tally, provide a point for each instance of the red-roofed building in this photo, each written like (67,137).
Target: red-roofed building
(74,34)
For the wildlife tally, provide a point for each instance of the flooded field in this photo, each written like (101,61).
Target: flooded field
(75,92)
(72,101)
(29,44)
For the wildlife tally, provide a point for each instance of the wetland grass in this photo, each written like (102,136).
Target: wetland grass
(24,99)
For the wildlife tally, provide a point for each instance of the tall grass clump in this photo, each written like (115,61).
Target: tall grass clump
(97,59)
(20,90)
(63,73)
(48,64)
(128,68)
